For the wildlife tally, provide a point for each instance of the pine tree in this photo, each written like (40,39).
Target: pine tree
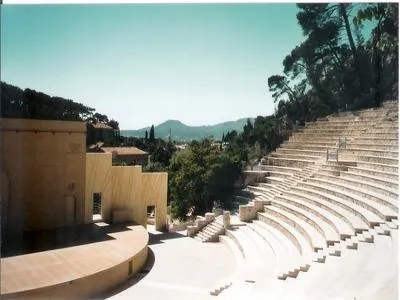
(146,136)
(151,133)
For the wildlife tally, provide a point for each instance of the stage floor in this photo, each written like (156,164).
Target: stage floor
(65,256)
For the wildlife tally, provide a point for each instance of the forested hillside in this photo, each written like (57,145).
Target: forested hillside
(30,104)
(184,133)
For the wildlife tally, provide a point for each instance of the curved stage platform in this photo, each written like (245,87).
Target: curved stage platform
(96,260)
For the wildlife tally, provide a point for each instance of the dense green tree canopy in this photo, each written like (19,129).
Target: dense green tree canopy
(200,176)
(336,68)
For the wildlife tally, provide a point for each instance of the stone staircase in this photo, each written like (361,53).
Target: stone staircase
(212,231)
(304,211)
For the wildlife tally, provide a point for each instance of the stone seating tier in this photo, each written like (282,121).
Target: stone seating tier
(279,174)
(358,144)
(300,152)
(370,152)
(287,254)
(312,143)
(330,223)
(353,144)
(378,159)
(256,258)
(378,140)
(320,209)
(288,162)
(375,187)
(361,218)
(274,180)
(355,125)
(364,134)
(294,156)
(307,255)
(381,179)
(312,232)
(377,166)
(391,176)
(282,169)
(355,223)
(348,199)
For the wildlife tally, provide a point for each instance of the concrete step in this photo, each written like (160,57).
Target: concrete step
(351,243)
(383,206)
(378,166)
(333,167)
(358,205)
(275,188)
(337,206)
(378,159)
(379,181)
(259,258)
(274,180)
(325,215)
(314,237)
(288,162)
(375,140)
(281,169)
(392,176)
(358,144)
(294,156)
(351,134)
(291,233)
(335,250)
(340,219)
(370,152)
(374,187)
(279,174)
(303,147)
(288,257)
(312,142)
(300,152)
(365,237)
(315,217)
(265,189)
(393,224)
(362,123)
(382,229)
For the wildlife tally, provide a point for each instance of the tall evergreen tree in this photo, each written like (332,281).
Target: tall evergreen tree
(146,136)
(151,138)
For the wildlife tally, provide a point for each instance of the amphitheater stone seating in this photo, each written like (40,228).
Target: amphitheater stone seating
(315,216)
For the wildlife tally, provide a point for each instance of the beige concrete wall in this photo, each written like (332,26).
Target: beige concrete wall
(126,192)
(124,188)
(98,180)
(154,192)
(48,180)
(120,188)
(43,171)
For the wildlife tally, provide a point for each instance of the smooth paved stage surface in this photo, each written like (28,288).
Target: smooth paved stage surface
(66,255)
(179,268)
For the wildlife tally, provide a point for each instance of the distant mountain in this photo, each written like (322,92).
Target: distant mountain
(182,132)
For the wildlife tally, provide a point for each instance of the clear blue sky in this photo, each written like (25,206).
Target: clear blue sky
(143,64)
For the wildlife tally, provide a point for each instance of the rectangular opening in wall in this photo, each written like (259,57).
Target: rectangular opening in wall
(130,268)
(151,215)
(97,207)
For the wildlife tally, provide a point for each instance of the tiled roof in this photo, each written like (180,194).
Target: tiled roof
(101,126)
(124,150)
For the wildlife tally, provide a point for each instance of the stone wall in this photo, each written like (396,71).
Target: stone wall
(125,191)
(42,174)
